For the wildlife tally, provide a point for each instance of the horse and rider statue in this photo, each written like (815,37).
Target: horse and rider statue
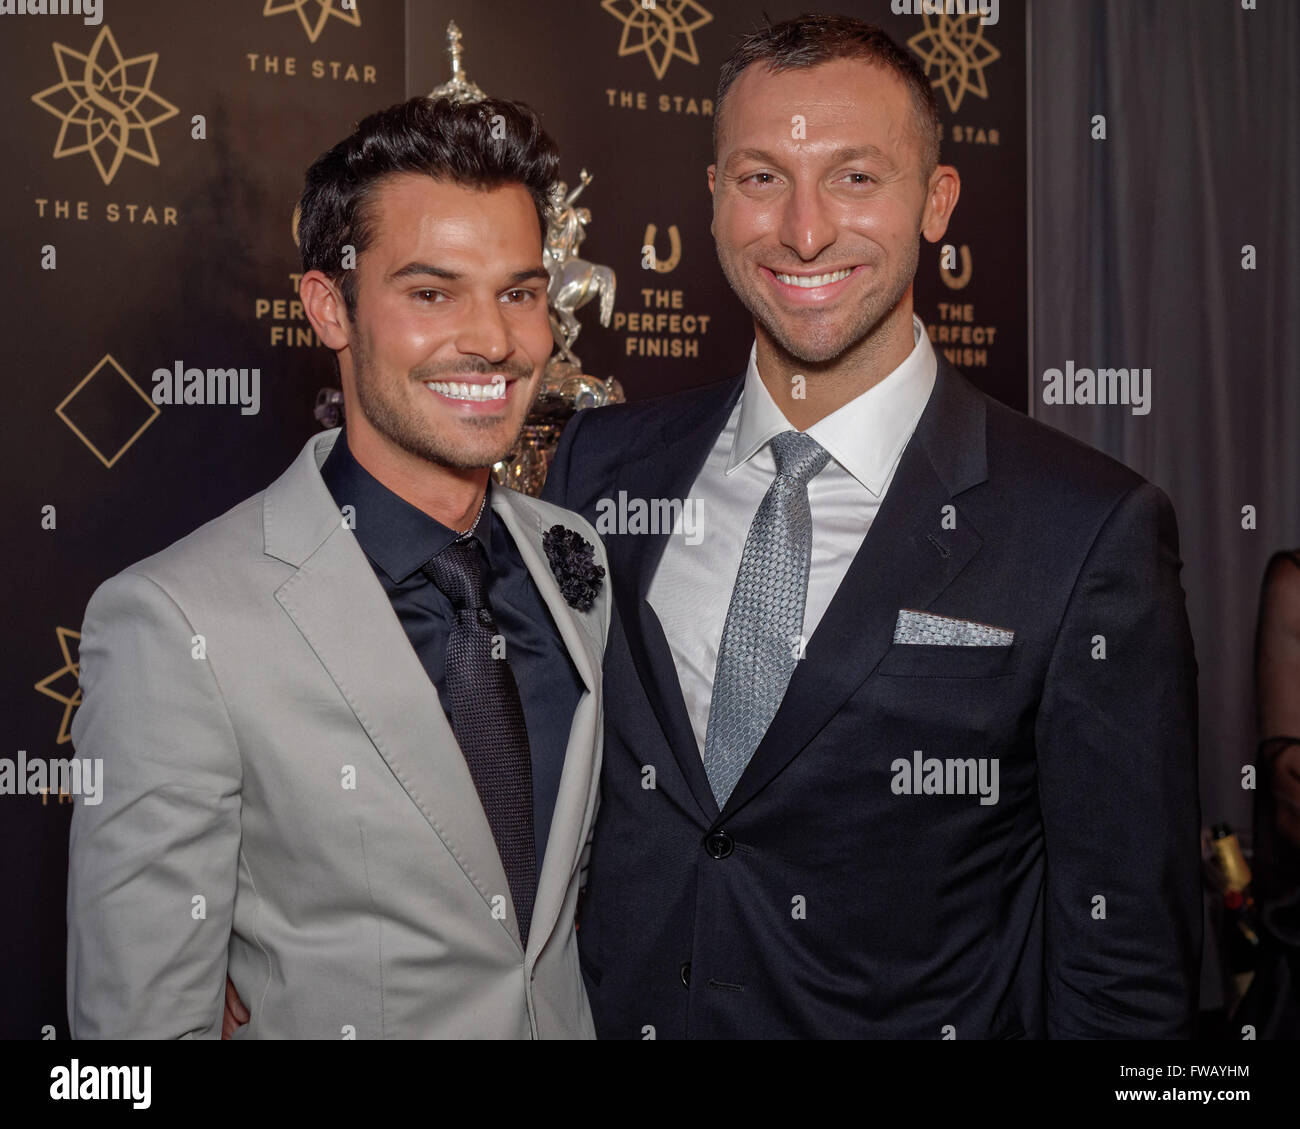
(574,281)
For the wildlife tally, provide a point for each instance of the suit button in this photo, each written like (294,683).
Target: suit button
(719,844)
(685,973)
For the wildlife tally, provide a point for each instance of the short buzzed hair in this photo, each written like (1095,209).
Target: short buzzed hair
(810,40)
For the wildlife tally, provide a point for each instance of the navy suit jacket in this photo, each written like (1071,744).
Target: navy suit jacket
(821,903)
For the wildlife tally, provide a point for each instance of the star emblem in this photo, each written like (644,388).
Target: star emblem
(69,674)
(313,24)
(954,48)
(664,31)
(105,104)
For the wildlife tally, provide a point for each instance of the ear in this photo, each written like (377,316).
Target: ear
(940,202)
(325,309)
(713,181)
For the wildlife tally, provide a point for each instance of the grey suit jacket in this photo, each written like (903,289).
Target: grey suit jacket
(284,799)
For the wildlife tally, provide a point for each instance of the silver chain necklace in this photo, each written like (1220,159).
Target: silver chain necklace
(477,518)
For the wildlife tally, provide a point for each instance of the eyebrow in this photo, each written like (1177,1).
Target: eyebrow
(848,153)
(429,270)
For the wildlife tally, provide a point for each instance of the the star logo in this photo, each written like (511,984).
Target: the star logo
(69,675)
(954,49)
(106,105)
(664,31)
(314,14)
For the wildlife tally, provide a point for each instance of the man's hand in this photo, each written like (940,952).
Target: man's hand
(235,1015)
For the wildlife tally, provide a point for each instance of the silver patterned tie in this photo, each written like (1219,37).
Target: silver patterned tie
(761,638)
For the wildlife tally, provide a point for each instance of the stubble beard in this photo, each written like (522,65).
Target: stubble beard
(826,346)
(397,423)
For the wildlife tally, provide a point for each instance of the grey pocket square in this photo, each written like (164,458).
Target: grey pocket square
(922,627)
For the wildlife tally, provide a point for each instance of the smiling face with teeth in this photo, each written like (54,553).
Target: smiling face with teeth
(819,204)
(443,354)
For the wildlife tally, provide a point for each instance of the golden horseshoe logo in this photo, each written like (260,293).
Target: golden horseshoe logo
(663,266)
(957,281)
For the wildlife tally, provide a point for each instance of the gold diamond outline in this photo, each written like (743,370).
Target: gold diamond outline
(107,358)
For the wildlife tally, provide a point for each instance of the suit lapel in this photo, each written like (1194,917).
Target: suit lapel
(583,638)
(344,615)
(906,560)
(579,632)
(668,470)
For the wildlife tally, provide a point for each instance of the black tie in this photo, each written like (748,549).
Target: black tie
(487,717)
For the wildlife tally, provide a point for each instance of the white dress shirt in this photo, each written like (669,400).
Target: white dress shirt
(691,589)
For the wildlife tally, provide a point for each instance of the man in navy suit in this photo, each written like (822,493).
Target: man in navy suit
(901,718)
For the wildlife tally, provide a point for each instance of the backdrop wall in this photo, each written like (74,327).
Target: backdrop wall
(138,237)
(628,94)
(1172,246)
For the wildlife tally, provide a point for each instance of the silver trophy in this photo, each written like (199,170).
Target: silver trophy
(458,88)
(564,387)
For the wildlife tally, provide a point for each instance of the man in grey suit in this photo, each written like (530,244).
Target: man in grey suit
(351,728)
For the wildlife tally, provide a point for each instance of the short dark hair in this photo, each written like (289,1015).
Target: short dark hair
(481,145)
(813,39)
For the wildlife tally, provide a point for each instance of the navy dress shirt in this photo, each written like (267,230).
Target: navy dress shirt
(397,539)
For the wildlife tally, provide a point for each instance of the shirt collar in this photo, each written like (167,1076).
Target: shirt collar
(397,536)
(866,435)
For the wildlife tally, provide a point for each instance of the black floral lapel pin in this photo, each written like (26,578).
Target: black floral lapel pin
(573,560)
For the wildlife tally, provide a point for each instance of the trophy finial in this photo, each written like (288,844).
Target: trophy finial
(458,88)
(453,49)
